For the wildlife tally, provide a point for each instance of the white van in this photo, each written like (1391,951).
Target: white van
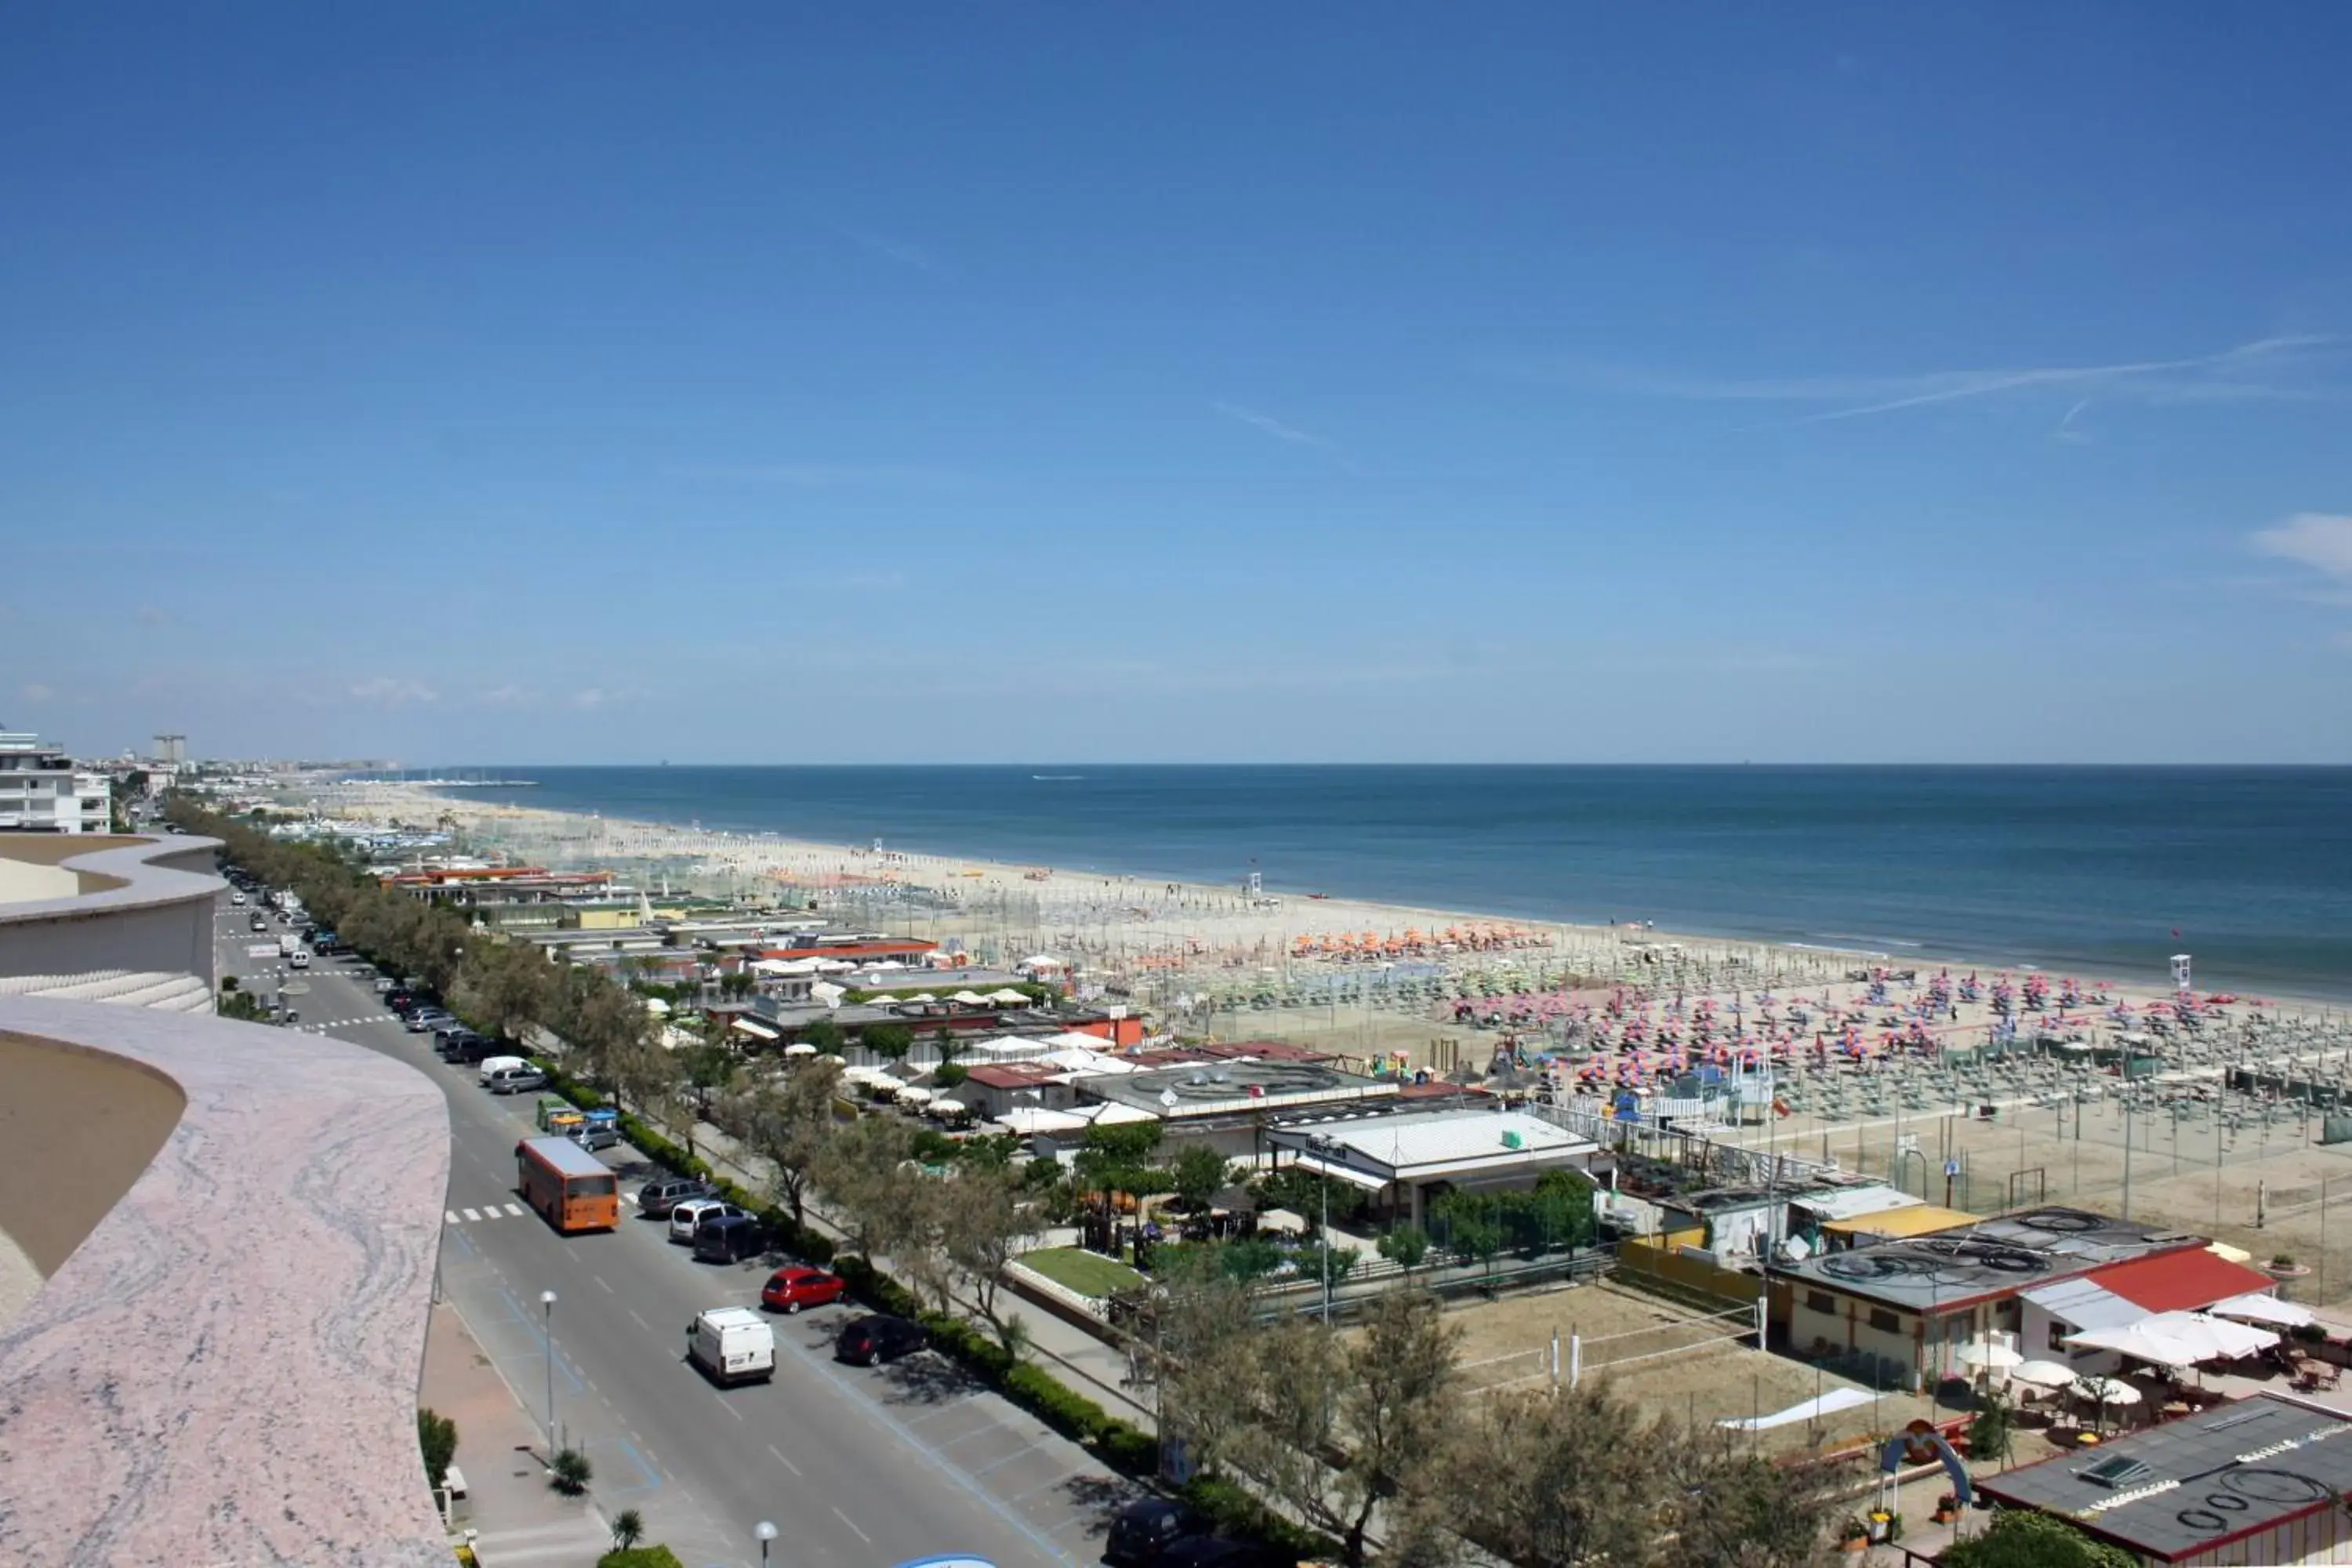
(298,959)
(500,1064)
(731,1344)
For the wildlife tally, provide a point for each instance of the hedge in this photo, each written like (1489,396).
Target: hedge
(641,1557)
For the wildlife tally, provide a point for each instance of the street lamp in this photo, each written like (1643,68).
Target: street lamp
(547,1314)
(1322,1145)
(763,1532)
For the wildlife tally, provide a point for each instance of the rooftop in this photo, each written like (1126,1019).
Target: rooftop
(1422,1146)
(1210,1088)
(2187,1488)
(2178,1282)
(1996,1257)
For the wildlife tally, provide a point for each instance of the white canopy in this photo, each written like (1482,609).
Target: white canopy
(2226,1340)
(970,999)
(800,1049)
(1028,1121)
(2135,1342)
(787,965)
(756,1029)
(1108,1113)
(1039,961)
(2264,1308)
(1993,1354)
(947,1108)
(913,1093)
(656,1006)
(1009,997)
(919,999)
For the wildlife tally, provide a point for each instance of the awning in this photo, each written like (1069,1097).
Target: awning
(756,1029)
(2158,1349)
(2260,1308)
(2082,1305)
(1346,1174)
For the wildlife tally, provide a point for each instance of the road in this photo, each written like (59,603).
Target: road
(854,1466)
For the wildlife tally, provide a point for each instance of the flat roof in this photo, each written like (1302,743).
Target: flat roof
(1205,1088)
(1921,1219)
(1997,1257)
(2187,1488)
(1424,1144)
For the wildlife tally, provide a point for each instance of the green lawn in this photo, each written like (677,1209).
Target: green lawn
(1087,1273)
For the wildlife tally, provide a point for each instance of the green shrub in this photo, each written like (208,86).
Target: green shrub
(1236,1512)
(437,1436)
(641,1557)
(571,1472)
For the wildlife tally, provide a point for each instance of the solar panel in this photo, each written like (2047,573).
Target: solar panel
(2116,1473)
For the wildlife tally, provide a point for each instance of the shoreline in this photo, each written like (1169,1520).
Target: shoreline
(766,858)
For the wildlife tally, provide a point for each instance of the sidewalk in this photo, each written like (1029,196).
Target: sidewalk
(509,1510)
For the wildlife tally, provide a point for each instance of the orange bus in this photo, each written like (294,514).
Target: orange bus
(572,1189)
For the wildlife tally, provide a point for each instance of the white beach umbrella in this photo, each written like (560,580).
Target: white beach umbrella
(2262,1309)
(913,1094)
(2107,1390)
(2043,1374)
(800,1049)
(1993,1356)
(1009,997)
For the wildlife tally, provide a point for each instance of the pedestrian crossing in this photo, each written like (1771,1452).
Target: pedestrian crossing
(487,1212)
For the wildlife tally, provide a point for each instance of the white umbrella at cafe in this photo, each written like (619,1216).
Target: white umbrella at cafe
(2107,1390)
(2043,1374)
(1991,1355)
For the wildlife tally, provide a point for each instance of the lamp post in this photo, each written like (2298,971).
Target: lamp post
(763,1532)
(1322,1145)
(547,1315)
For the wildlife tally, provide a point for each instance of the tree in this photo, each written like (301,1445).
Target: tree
(1197,1176)
(890,1041)
(947,1045)
(983,1223)
(437,1436)
(570,1472)
(2021,1539)
(1383,1404)
(786,1120)
(1555,1478)
(1405,1247)
(1728,1504)
(629,1529)
(1202,1348)
(824,1034)
(706,1068)
(861,1171)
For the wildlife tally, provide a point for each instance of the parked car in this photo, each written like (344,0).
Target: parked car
(689,1213)
(595,1135)
(876,1338)
(1223,1551)
(730,1238)
(1144,1530)
(663,1194)
(798,1285)
(427,1019)
(515,1080)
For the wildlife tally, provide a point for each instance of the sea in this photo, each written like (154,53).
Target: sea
(2099,871)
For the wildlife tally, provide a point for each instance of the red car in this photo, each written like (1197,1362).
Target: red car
(790,1288)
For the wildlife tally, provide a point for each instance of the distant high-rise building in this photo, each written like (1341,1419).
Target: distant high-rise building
(41,791)
(172,750)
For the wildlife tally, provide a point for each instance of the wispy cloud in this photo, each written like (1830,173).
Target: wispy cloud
(590,699)
(1281,432)
(832,476)
(891,250)
(392,692)
(507,696)
(2279,367)
(34,691)
(2317,540)
(2066,430)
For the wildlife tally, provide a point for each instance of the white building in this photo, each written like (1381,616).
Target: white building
(42,792)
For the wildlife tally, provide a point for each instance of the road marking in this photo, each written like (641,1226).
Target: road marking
(725,1405)
(514,1211)
(600,1279)
(853,1524)
(471,1217)
(782,1460)
(641,1322)
(450,1217)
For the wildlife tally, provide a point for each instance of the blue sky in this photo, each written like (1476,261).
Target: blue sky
(762,383)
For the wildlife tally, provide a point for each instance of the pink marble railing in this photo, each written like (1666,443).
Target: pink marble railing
(225,1370)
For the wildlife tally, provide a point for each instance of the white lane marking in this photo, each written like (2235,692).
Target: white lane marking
(600,1279)
(641,1322)
(515,1210)
(725,1405)
(450,1217)
(782,1460)
(471,1217)
(853,1524)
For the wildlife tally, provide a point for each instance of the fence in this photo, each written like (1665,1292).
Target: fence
(1713,1329)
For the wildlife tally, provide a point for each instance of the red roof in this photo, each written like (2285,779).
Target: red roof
(2181,1281)
(1010,1075)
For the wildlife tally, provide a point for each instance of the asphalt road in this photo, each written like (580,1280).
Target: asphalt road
(856,1467)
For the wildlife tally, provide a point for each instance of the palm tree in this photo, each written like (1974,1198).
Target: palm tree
(629,1529)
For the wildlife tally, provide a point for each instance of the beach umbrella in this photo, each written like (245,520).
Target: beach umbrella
(800,1049)
(2043,1374)
(1991,1356)
(2107,1390)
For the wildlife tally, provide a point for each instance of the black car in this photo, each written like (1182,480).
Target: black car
(1223,1551)
(865,1341)
(1144,1530)
(729,1240)
(663,1194)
